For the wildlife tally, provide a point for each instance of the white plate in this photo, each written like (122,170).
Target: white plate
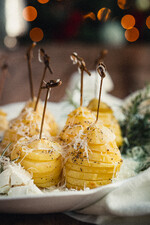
(56,201)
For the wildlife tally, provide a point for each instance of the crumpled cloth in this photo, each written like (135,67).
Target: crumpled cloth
(91,86)
(123,203)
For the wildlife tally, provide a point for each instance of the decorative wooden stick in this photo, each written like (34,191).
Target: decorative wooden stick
(81,65)
(29,56)
(4,69)
(101,69)
(101,56)
(48,86)
(44,58)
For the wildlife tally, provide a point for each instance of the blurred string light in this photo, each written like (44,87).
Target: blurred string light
(36,34)
(148,22)
(29,13)
(90,15)
(132,34)
(112,33)
(10,42)
(103,14)
(123,4)
(15,24)
(128,21)
(143,4)
(43,1)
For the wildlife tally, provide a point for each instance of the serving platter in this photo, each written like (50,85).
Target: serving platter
(57,200)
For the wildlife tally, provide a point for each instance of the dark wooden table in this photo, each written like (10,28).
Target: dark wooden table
(129,67)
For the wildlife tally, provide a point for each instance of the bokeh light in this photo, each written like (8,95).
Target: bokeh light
(90,15)
(43,1)
(123,4)
(29,13)
(132,34)
(148,22)
(143,4)
(10,42)
(36,34)
(103,14)
(112,33)
(128,21)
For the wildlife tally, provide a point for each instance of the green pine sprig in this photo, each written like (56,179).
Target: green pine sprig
(136,128)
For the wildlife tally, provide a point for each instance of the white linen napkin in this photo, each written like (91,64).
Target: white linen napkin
(125,203)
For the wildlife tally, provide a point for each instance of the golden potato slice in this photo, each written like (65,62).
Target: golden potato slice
(89,163)
(86,183)
(40,167)
(49,183)
(88,176)
(89,169)
(93,104)
(46,179)
(55,171)
(105,158)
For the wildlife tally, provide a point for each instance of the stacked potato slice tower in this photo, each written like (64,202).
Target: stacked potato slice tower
(42,158)
(108,118)
(95,161)
(27,124)
(77,121)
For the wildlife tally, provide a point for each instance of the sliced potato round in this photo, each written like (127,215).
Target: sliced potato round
(88,176)
(89,169)
(40,167)
(86,183)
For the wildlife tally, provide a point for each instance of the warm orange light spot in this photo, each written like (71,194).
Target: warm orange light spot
(103,14)
(90,15)
(36,34)
(128,21)
(122,4)
(132,34)
(43,1)
(29,13)
(148,22)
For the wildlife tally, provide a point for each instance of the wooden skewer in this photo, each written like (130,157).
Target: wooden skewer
(48,86)
(29,57)
(100,58)
(43,58)
(81,65)
(101,69)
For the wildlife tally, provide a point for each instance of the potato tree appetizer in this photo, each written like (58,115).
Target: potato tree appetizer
(94,158)
(41,157)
